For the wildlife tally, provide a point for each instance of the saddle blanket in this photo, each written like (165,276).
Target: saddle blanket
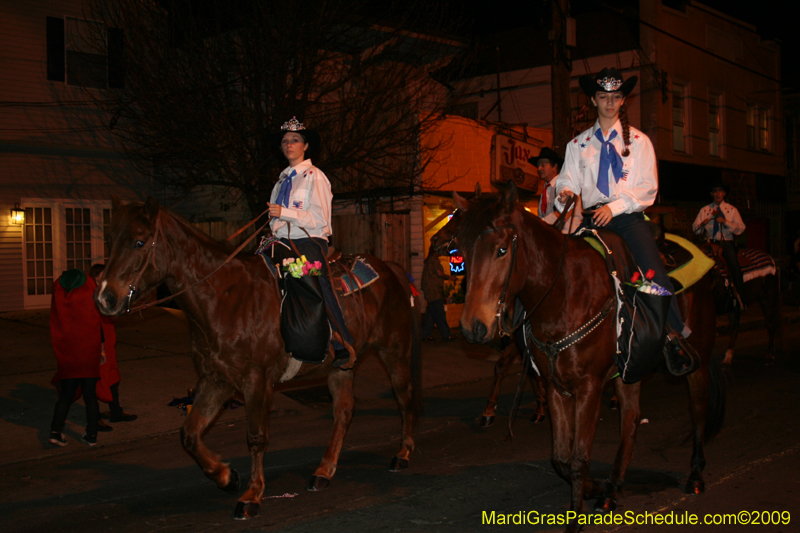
(686,263)
(360,275)
(754,263)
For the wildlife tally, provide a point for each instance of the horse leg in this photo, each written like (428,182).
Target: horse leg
(733,327)
(698,390)
(630,415)
(500,370)
(769,299)
(587,412)
(209,398)
(257,398)
(538,384)
(340,385)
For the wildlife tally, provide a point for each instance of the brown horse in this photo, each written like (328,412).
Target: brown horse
(443,241)
(763,289)
(511,253)
(234,319)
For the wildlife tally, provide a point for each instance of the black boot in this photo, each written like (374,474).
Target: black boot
(680,356)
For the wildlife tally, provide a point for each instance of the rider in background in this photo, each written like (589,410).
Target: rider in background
(300,205)
(548,164)
(613,167)
(719,222)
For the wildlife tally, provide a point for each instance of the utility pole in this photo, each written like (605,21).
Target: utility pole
(560,68)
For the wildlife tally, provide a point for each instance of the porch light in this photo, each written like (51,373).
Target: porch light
(17,215)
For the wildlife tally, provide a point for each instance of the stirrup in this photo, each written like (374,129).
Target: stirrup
(679,344)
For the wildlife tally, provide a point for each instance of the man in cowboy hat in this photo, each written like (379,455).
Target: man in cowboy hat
(719,222)
(548,163)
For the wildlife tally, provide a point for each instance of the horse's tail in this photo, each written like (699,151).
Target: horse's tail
(416,342)
(717,398)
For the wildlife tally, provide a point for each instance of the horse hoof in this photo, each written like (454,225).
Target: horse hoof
(605,505)
(487,421)
(536,418)
(245,510)
(695,486)
(398,464)
(318,483)
(233,483)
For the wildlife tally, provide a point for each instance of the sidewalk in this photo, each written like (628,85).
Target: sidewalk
(153,356)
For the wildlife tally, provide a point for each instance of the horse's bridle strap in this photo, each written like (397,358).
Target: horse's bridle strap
(552,349)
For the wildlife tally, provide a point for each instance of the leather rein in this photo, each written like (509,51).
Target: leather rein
(150,260)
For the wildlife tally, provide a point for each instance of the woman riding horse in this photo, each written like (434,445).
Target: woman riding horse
(613,167)
(301,209)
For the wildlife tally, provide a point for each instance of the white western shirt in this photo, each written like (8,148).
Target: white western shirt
(550,215)
(733,225)
(309,203)
(634,192)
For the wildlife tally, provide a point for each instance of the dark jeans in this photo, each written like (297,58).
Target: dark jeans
(633,228)
(435,314)
(731,256)
(66,396)
(316,250)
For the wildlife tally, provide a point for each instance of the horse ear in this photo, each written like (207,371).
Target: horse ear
(116,202)
(477,192)
(510,197)
(461,203)
(151,207)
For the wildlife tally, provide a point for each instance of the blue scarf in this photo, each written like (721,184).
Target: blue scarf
(286,190)
(608,158)
(716,224)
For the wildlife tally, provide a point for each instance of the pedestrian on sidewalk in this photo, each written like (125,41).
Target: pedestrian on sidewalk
(75,333)
(108,386)
(433,278)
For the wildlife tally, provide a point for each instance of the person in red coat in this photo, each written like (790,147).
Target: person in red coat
(75,333)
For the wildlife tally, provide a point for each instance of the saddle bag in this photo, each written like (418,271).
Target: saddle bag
(643,317)
(304,321)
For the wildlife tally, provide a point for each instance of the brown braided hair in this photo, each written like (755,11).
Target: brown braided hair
(626,129)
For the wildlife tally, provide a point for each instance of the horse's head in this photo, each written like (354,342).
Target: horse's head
(487,236)
(130,270)
(445,240)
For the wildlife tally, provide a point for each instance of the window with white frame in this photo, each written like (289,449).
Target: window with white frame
(679,117)
(714,124)
(60,235)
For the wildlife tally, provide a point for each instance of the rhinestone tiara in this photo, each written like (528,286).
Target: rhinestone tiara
(293,125)
(610,84)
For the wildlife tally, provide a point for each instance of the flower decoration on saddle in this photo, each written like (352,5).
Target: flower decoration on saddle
(299,267)
(646,285)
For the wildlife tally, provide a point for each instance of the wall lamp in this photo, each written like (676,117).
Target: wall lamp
(17,215)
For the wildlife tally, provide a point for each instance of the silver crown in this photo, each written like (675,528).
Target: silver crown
(293,125)
(610,84)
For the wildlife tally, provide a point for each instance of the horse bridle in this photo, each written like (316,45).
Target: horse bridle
(150,259)
(501,302)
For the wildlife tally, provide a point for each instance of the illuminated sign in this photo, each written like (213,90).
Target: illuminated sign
(456,263)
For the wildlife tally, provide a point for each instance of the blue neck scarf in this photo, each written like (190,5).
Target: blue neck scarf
(716,224)
(286,190)
(608,158)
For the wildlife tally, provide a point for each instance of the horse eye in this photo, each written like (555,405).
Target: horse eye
(139,244)
(501,252)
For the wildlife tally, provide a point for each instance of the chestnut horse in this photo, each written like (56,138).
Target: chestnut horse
(564,284)
(443,242)
(763,289)
(236,345)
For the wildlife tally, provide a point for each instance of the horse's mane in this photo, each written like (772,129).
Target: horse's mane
(484,213)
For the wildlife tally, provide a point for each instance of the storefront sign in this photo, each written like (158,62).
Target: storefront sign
(511,162)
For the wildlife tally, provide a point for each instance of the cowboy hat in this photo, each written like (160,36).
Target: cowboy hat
(549,154)
(608,80)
